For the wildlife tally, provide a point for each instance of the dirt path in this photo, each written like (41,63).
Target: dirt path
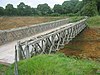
(85,45)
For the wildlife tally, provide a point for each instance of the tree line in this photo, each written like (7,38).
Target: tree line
(72,7)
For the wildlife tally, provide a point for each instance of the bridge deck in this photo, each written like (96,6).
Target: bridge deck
(7,51)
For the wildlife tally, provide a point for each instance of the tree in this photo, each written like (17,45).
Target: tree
(21,9)
(78,7)
(1,11)
(28,10)
(58,9)
(35,11)
(69,6)
(89,9)
(86,1)
(9,10)
(24,10)
(44,9)
(98,6)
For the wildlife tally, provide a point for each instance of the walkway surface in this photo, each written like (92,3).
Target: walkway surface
(7,51)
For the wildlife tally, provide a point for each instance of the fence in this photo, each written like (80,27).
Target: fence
(48,43)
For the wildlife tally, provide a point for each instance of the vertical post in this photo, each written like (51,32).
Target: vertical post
(20,49)
(68,35)
(43,46)
(74,31)
(78,29)
(52,45)
(16,65)
(58,44)
(64,32)
(27,50)
(47,45)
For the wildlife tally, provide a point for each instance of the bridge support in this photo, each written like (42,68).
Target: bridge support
(50,42)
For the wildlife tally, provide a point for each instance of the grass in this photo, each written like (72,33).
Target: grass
(56,64)
(93,21)
(3,68)
(75,18)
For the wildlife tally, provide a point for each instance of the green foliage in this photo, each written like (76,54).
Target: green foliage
(78,7)
(21,9)
(28,10)
(58,9)
(1,11)
(9,11)
(35,11)
(44,9)
(24,9)
(98,6)
(90,9)
(93,21)
(69,6)
(75,18)
(55,14)
(71,14)
(56,64)
(3,69)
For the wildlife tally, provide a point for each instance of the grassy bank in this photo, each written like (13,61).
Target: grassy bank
(75,18)
(93,21)
(56,64)
(3,69)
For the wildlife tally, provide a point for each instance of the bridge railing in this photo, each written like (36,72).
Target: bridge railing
(47,43)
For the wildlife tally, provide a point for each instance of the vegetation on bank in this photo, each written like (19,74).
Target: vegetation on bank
(3,69)
(93,21)
(56,64)
(75,18)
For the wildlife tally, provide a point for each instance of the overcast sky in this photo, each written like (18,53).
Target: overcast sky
(32,3)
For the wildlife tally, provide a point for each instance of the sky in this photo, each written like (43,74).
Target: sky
(32,3)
